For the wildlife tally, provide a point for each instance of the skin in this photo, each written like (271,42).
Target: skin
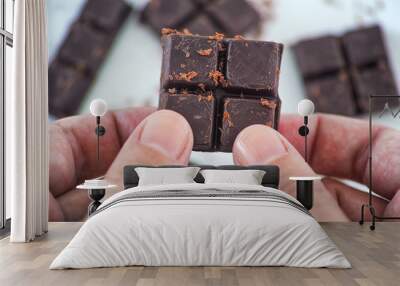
(338,148)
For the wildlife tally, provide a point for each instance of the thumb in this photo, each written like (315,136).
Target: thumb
(163,138)
(262,145)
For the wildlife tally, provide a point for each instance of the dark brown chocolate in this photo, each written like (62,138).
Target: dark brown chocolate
(340,73)
(82,52)
(220,86)
(203,17)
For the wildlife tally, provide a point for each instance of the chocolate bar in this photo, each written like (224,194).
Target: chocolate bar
(203,17)
(340,73)
(220,85)
(82,53)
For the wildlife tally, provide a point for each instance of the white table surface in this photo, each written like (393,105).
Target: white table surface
(130,74)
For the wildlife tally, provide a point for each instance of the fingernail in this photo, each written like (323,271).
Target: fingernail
(167,132)
(259,144)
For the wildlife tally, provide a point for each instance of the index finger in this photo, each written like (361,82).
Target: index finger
(73,146)
(339,147)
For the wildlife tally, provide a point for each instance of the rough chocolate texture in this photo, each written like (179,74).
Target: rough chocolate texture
(220,86)
(202,17)
(253,66)
(183,55)
(340,73)
(82,52)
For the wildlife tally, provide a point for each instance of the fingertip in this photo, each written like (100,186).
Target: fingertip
(258,144)
(168,132)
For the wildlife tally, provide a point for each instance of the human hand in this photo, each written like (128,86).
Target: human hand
(133,136)
(338,147)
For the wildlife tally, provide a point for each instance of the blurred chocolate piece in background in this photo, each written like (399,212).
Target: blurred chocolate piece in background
(82,52)
(203,17)
(220,85)
(340,73)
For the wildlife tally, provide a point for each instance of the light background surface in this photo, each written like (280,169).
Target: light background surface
(130,74)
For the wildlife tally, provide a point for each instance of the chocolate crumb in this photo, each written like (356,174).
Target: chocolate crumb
(205,53)
(168,31)
(186,76)
(239,37)
(172,90)
(217,77)
(267,103)
(227,117)
(202,86)
(217,36)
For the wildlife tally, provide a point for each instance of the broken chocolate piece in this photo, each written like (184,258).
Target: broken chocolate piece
(340,73)
(203,17)
(223,86)
(82,52)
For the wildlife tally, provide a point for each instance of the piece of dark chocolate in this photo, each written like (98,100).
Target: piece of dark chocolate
(376,80)
(68,83)
(188,61)
(239,113)
(360,55)
(84,48)
(364,46)
(167,13)
(82,52)
(106,15)
(233,17)
(319,56)
(222,87)
(199,111)
(253,66)
(203,17)
(332,94)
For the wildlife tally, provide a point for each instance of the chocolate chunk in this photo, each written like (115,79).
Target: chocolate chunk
(332,94)
(183,65)
(239,113)
(234,19)
(341,73)
(364,46)
(66,85)
(218,106)
(82,52)
(319,56)
(105,14)
(253,66)
(202,25)
(377,80)
(203,17)
(84,48)
(167,13)
(199,110)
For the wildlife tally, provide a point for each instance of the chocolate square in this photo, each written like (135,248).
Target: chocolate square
(84,48)
(234,17)
(188,61)
(167,13)
(199,111)
(377,80)
(105,14)
(216,109)
(364,46)
(319,56)
(202,25)
(67,86)
(239,113)
(253,66)
(332,94)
